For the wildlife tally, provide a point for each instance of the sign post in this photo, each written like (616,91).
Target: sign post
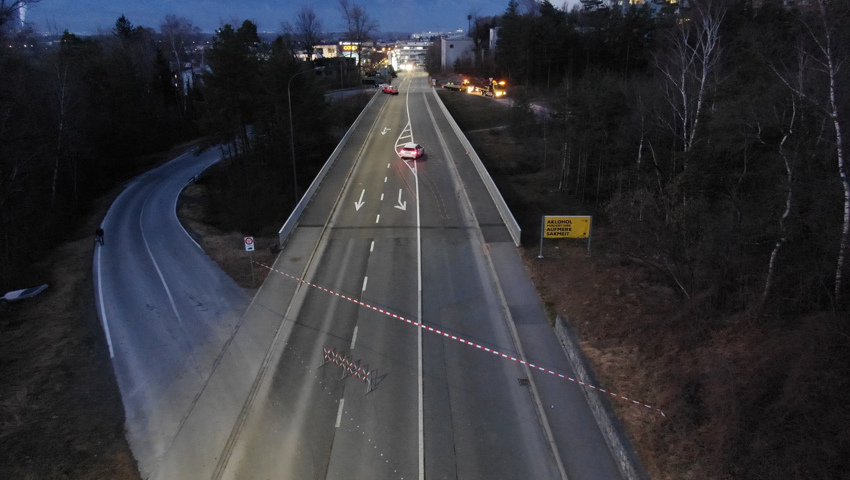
(562,226)
(249,247)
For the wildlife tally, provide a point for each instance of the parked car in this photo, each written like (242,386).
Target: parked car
(390,89)
(411,150)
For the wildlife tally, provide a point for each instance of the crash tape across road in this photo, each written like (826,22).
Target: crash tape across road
(462,340)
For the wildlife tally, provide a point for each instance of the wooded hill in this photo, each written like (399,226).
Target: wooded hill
(84,114)
(709,142)
(713,136)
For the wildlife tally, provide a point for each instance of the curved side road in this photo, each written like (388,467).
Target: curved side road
(167,309)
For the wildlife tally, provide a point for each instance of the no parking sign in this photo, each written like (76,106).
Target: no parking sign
(249,244)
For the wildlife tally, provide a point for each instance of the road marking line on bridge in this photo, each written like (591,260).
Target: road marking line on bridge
(339,412)
(431,329)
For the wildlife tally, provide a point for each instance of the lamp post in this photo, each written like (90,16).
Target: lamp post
(292,130)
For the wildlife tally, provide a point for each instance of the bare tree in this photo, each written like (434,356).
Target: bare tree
(822,59)
(307,29)
(689,69)
(788,160)
(358,24)
(179,33)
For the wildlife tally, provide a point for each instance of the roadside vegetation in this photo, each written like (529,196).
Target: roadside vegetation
(81,118)
(709,144)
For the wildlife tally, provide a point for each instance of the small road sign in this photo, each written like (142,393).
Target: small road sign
(249,244)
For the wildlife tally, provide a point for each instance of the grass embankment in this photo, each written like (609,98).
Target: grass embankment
(744,397)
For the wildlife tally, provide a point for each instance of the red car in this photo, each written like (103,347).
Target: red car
(390,89)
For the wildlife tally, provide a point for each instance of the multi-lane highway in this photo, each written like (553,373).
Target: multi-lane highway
(385,246)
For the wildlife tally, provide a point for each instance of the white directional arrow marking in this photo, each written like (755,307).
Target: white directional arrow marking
(360,202)
(385,131)
(401,205)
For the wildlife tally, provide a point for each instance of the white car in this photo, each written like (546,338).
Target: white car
(411,150)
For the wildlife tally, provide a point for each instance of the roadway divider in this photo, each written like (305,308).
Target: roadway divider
(292,221)
(495,194)
(348,366)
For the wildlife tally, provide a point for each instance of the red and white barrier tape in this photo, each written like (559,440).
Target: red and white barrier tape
(461,340)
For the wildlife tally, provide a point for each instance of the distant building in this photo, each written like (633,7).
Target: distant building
(327,51)
(409,52)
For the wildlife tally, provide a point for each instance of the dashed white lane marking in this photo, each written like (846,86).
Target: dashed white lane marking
(353,338)
(365,281)
(372,247)
(385,179)
(382,197)
(424,327)
(339,412)
(388,165)
(378,219)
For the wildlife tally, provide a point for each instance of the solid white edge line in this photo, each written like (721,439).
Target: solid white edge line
(419,313)
(339,412)
(103,307)
(177,199)
(353,338)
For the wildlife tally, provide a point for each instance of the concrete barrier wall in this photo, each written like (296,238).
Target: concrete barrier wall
(504,211)
(292,221)
(612,430)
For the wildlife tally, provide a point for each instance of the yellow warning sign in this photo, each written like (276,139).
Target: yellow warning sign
(566,227)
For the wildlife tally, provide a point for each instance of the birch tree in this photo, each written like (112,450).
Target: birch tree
(689,70)
(819,80)
(10,9)
(788,160)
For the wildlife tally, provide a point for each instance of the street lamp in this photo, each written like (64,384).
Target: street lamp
(292,130)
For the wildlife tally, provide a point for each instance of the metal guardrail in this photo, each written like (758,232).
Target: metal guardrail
(292,221)
(495,194)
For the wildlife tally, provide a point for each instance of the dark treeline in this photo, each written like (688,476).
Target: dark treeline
(81,115)
(713,137)
(245,110)
(711,144)
(75,119)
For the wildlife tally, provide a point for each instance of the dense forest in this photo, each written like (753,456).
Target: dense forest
(79,116)
(712,136)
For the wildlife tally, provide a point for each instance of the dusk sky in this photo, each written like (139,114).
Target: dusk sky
(87,16)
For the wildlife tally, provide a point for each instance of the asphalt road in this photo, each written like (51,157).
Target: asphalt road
(167,308)
(385,247)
